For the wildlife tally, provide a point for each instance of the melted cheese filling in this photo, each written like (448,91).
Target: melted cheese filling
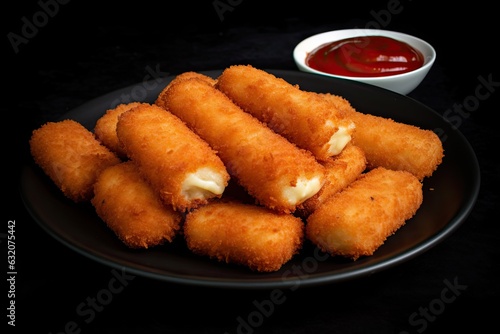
(204,183)
(304,189)
(339,139)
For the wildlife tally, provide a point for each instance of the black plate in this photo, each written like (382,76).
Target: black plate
(449,196)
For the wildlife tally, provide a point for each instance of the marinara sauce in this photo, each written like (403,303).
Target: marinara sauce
(365,56)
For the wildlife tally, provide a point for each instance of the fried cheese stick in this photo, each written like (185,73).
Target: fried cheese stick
(71,156)
(302,117)
(132,210)
(341,170)
(275,172)
(105,128)
(181,167)
(192,74)
(356,221)
(392,144)
(244,234)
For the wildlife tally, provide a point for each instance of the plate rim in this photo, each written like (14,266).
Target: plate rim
(260,282)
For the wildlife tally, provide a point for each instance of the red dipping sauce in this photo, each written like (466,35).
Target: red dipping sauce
(365,56)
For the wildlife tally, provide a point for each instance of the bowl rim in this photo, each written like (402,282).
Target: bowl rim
(302,48)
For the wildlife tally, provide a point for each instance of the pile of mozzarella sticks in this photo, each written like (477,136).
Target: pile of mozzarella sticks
(314,168)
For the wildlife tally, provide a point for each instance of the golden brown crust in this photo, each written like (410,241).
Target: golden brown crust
(249,235)
(341,171)
(71,156)
(263,162)
(166,151)
(392,144)
(105,128)
(131,209)
(191,74)
(356,221)
(302,117)
(160,100)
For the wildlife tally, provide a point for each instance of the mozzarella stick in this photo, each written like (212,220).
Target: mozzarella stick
(181,167)
(71,157)
(105,128)
(131,209)
(357,221)
(244,234)
(341,170)
(302,117)
(275,172)
(392,144)
(192,74)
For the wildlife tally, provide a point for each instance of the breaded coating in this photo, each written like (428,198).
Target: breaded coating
(71,156)
(275,172)
(189,75)
(341,171)
(182,168)
(244,234)
(132,209)
(302,117)
(356,221)
(105,128)
(392,144)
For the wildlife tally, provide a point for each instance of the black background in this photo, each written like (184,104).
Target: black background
(85,49)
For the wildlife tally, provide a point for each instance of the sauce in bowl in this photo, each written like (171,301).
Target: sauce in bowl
(365,56)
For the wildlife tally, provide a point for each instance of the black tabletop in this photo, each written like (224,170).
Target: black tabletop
(61,54)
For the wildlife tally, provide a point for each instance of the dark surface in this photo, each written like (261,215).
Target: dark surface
(83,51)
(450,195)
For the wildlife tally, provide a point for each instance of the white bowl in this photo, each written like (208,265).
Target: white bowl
(400,83)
